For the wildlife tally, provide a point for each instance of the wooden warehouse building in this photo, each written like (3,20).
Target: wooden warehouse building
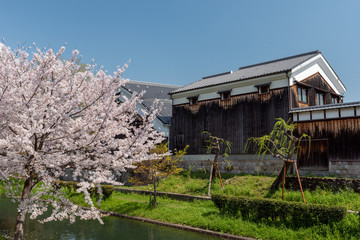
(243,104)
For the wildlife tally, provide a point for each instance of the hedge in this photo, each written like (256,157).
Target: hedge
(297,214)
(107,190)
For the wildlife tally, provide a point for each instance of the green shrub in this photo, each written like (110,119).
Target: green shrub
(296,214)
(107,190)
(69,185)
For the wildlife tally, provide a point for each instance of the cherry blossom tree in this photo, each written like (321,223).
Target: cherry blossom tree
(56,115)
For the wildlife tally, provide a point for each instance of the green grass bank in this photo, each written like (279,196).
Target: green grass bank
(204,214)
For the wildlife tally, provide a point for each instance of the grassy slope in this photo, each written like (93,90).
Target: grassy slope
(253,186)
(204,214)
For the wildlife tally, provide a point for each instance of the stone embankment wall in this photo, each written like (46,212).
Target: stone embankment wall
(239,163)
(349,169)
(252,164)
(334,184)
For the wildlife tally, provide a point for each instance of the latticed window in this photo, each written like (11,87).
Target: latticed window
(334,100)
(225,94)
(193,100)
(320,98)
(302,95)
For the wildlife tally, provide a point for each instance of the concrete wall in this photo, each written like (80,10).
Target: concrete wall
(239,163)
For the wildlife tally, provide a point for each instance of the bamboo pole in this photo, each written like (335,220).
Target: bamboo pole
(282,195)
(210,179)
(217,165)
(297,173)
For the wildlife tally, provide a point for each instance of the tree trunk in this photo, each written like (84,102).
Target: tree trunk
(155,201)
(210,178)
(20,219)
(19,229)
(215,162)
(287,165)
(280,176)
(213,169)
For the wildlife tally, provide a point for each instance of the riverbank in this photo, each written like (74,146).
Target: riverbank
(205,215)
(114,228)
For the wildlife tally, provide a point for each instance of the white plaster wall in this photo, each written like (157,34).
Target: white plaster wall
(332,113)
(238,88)
(304,116)
(347,112)
(314,65)
(318,115)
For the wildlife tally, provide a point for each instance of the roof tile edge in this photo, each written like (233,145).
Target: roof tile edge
(280,59)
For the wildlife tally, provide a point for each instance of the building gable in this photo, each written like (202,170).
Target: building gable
(318,64)
(313,91)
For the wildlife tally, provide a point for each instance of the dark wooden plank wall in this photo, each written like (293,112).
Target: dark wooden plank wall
(317,158)
(236,120)
(343,136)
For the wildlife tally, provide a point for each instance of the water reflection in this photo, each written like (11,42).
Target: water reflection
(113,228)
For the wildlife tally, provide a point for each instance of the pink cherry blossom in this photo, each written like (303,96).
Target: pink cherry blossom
(56,115)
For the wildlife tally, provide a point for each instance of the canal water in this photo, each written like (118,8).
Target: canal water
(113,228)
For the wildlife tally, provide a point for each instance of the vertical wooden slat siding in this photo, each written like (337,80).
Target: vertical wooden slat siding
(318,157)
(343,136)
(236,119)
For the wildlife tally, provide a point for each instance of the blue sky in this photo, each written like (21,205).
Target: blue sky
(178,42)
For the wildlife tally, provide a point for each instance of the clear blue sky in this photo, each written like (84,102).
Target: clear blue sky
(178,42)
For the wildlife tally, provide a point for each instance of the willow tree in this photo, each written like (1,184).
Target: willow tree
(281,143)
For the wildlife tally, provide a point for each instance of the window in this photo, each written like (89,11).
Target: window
(320,98)
(334,100)
(193,100)
(225,95)
(263,88)
(302,95)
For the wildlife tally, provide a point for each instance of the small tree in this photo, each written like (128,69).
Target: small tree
(57,115)
(280,143)
(215,144)
(152,171)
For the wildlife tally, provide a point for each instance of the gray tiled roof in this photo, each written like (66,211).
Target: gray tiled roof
(154,91)
(257,70)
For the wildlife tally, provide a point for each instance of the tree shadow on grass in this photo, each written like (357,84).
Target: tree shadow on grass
(211,213)
(204,175)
